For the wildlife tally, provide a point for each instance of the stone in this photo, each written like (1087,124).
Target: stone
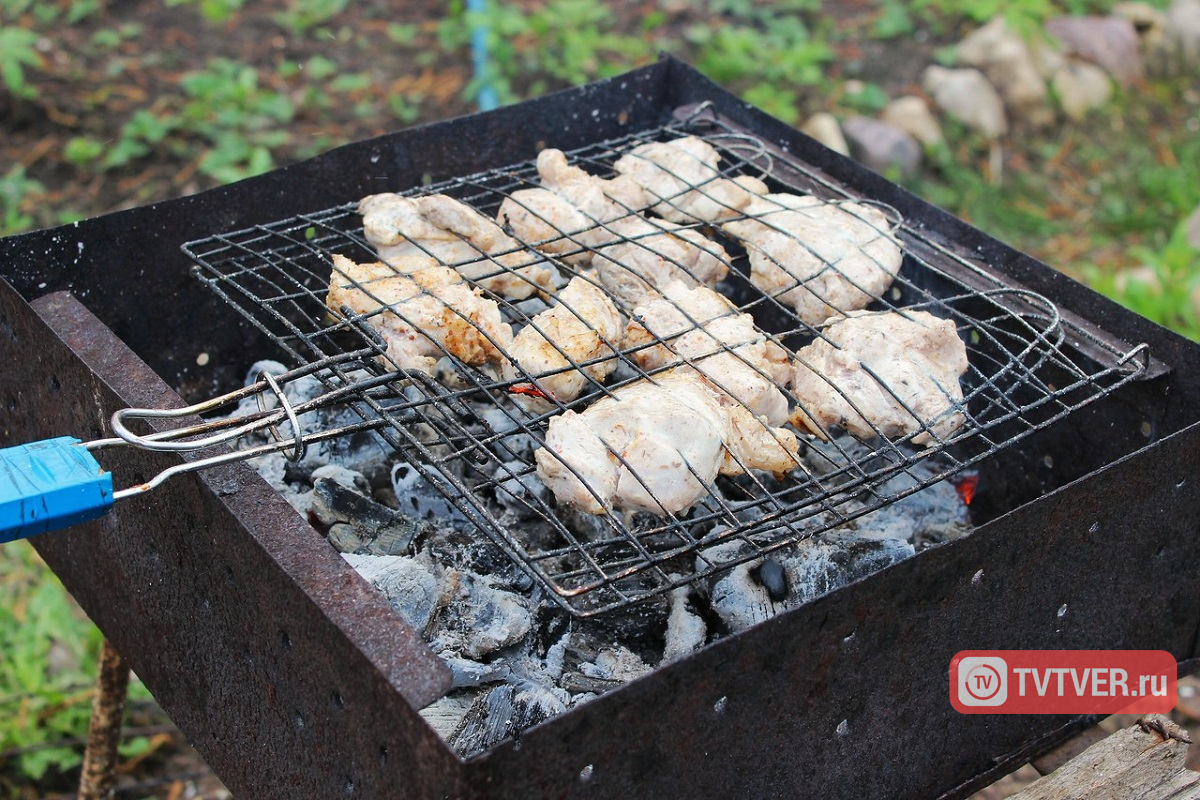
(1081,87)
(1109,42)
(825,129)
(1183,35)
(1010,66)
(882,146)
(911,114)
(407,584)
(1192,229)
(967,95)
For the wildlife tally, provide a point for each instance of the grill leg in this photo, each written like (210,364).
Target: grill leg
(104,731)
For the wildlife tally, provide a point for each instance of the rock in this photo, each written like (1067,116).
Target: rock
(407,584)
(882,147)
(1151,27)
(686,630)
(968,96)
(1080,87)
(825,129)
(1192,228)
(911,114)
(1183,36)
(1010,66)
(504,712)
(1109,42)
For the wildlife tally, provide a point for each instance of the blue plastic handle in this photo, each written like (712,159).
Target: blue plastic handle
(49,485)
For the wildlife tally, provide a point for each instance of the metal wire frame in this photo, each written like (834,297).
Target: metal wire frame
(1030,365)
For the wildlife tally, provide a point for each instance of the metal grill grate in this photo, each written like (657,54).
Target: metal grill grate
(470,434)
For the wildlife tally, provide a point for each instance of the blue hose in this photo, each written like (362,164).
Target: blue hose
(479,56)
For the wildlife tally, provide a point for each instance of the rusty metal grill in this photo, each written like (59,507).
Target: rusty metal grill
(1031,364)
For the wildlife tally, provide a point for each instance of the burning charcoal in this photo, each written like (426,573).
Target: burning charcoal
(741,601)
(407,584)
(445,715)
(518,486)
(357,524)
(819,566)
(934,514)
(419,497)
(616,663)
(504,712)
(466,673)
(686,630)
(479,618)
(771,575)
(506,420)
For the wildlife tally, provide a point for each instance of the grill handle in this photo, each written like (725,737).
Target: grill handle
(49,485)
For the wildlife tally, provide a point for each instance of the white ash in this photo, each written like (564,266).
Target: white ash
(519,489)
(480,618)
(686,629)
(420,498)
(616,663)
(516,658)
(410,587)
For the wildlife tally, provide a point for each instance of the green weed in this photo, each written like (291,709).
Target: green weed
(47,671)
(1165,289)
(18,52)
(18,192)
(212,10)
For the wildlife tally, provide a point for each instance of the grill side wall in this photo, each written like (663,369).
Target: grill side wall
(286,670)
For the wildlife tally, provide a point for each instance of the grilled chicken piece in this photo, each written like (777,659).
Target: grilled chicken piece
(702,327)
(573,332)
(547,222)
(594,220)
(674,435)
(823,259)
(422,315)
(457,236)
(682,175)
(914,360)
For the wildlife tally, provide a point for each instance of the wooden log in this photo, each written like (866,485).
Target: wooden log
(1145,760)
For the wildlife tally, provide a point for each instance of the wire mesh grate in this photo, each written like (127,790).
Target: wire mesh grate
(474,427)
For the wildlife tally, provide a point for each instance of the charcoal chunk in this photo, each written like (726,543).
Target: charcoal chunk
(408,585)
(358,524)
(504,712)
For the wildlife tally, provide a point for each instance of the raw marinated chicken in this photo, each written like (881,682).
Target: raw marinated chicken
(422,315)
(702,327)
(457,236)
(674,435)
(682,174)
(914,359)
(594,220)
(823,259)
(577,330)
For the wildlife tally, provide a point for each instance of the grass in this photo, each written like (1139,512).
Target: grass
(47,670)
